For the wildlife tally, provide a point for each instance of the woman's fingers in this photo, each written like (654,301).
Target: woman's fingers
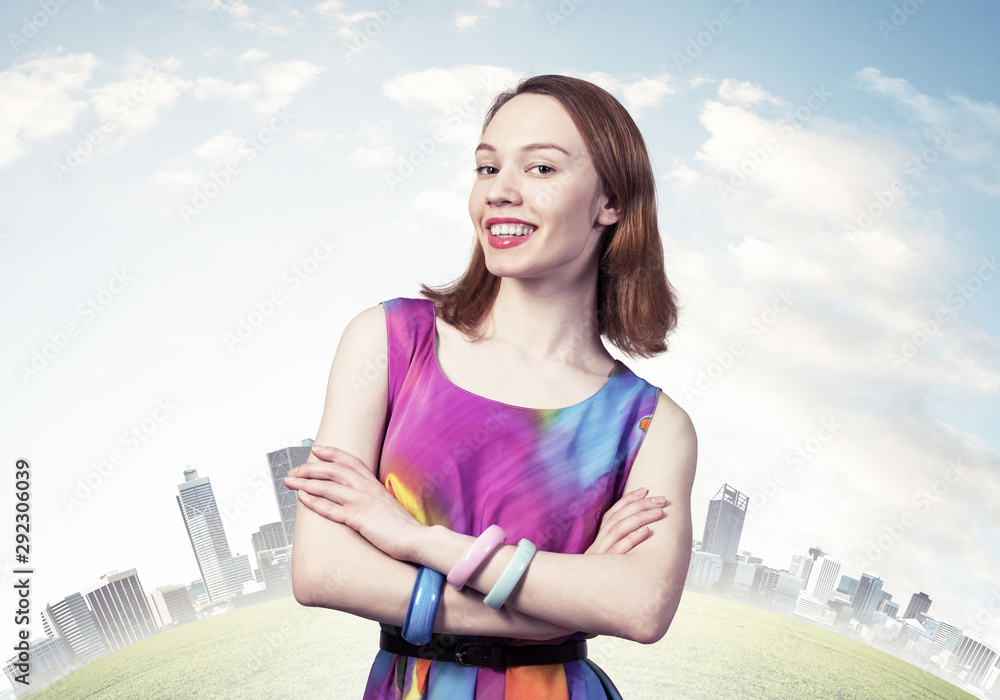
(624,525)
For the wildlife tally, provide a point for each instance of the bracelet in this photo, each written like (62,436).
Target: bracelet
(476,555)
(424,601)
(511,575)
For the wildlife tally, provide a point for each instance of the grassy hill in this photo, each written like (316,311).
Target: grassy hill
(715,649)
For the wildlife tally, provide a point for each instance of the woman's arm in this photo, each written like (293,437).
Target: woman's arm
(332,565)
(581,592)
(632,595)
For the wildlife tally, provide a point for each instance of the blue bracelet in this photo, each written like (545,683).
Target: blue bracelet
(424,601)
(511,575)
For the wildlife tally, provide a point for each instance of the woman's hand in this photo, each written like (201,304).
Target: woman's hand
(624,525)
(343,489)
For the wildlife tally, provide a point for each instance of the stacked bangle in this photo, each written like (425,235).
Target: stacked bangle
(476,555)
(424,601)
(511,575)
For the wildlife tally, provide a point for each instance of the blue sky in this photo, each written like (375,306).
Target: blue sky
(828,182)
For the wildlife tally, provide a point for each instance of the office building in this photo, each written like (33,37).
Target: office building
(946,638)
(824,574)
(919,603)
(49,661)
(121,609)
(704,570)
(781,591)
(848,586)
(172,605)
(276,568)
(975,658)
(890,608)
(72,620)
(866,599)
(278,463)
(270,536)
(724,523)
(208,539)
(801,566)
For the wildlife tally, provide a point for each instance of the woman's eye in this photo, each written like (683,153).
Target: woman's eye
(486,170)
(543,169)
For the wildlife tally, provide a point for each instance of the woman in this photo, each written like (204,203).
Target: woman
(499,417)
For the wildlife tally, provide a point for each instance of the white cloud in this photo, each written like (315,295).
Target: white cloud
(282,80)
(459,96)
(329,9)
(223,148)
(253,56)
(133,103)
(960,129)
(465,21)
(443,212)
(226,8)
(635,96)
(41,98)
(207,87)
(373,159)
(746,93)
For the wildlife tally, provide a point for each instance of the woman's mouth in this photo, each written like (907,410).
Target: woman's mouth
(509,234)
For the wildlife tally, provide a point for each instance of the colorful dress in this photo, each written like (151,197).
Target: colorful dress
(463,461)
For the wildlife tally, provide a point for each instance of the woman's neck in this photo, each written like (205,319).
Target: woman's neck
(545,324)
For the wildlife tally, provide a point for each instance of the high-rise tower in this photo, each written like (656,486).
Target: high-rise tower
(279,462)
(866,599)
(724,524)
(919,603)
(208,540)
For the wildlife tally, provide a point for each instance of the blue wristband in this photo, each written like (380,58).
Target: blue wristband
(511,575)
(423,606)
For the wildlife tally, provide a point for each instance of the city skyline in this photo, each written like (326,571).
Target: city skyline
(808,590)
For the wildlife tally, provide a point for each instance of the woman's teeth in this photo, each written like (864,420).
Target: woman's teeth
(511,230)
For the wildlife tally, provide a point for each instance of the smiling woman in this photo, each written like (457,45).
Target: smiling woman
(505,447)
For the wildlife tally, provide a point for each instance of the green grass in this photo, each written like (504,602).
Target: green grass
(715,649)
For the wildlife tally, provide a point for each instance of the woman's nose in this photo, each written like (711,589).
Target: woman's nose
(504,188)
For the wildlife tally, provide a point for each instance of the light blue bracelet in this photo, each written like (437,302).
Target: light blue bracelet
(424,601)
(511,575)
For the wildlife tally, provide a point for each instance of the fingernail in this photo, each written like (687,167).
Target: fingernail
(658,500)
(293,471)
(318,448)
(639,491)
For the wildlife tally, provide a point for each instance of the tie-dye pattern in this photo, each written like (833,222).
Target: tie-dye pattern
(457,459)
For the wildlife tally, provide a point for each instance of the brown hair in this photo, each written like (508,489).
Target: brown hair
(637,306)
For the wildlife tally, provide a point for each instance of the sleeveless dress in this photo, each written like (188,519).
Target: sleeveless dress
(460,460)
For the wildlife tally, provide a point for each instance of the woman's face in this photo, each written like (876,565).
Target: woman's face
(537,203)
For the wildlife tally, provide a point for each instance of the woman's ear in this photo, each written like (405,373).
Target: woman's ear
(609,213)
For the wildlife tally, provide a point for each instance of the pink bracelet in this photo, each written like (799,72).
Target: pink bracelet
(476,555)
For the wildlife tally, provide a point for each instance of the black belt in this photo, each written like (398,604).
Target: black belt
(495,656)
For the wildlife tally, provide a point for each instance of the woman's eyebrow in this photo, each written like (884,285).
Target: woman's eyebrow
(529,147)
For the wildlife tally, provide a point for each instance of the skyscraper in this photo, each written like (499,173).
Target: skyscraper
(121,609)
(208,540)
(724,523)
(279,462)
(823,577)
(866,599)
(801,566)
(72,620)
(919,603)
